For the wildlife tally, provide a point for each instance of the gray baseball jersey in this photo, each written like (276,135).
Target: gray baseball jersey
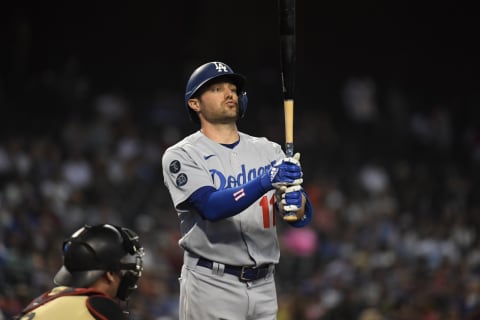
(248,238)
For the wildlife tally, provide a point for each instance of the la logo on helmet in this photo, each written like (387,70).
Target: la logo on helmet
(221,67)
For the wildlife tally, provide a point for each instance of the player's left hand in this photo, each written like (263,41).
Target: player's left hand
(295,161)
(287,172)
(282,173)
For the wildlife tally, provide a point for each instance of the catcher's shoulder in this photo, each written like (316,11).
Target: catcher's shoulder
(102,307)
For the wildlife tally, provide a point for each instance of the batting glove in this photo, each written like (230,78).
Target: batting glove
(291,198)
(295,159)
(287,172)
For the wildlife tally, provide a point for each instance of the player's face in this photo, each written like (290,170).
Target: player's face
(219,103)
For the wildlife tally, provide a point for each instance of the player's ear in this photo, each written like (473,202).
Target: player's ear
(194,104)
(110,276)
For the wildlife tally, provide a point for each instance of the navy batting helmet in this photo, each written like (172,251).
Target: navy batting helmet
(93,250)
(210,71)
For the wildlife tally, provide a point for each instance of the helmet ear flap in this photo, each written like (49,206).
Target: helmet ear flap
(242,103)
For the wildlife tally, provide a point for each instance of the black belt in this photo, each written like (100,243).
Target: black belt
(244,273)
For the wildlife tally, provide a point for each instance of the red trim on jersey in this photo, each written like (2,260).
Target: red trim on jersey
(47,297)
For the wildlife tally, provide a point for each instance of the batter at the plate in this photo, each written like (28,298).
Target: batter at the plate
(228,188)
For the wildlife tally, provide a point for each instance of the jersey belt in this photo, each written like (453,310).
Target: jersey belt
(244,273)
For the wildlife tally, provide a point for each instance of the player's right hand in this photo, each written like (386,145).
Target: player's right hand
(287,172)
(289,198)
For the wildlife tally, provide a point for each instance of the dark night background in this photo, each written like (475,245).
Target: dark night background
(426,48)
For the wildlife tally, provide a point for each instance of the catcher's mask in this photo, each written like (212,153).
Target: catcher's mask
(93,250)
(209,72)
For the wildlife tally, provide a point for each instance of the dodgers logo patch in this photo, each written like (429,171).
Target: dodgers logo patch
(182,179)
(174,166)
(220,67)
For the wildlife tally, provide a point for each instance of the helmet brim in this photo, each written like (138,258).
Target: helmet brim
(78,279)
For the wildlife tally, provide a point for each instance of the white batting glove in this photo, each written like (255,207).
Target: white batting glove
(295,160)
(286,172)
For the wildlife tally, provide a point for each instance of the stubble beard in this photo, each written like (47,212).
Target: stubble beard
(229,116)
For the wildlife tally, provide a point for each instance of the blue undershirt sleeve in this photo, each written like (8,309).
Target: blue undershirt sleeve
(215,204)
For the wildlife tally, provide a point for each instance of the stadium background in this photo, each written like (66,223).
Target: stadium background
(387,122)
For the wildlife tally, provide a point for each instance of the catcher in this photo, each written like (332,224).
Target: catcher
(102,263)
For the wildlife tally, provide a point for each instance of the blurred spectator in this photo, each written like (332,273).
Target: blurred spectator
(359,96)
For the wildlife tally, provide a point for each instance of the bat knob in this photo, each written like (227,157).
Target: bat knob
(290,217)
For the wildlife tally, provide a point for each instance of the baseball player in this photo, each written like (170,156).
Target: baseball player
(227,188)
(102,263)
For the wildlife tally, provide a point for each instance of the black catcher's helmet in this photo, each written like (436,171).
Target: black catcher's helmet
(93,250)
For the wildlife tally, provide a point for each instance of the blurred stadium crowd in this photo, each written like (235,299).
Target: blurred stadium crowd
(395,189)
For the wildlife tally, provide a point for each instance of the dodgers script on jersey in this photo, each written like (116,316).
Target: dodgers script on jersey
(248,238)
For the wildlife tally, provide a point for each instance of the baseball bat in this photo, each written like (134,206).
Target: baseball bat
(288,56)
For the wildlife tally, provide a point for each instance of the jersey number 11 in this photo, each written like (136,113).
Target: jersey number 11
(266,205)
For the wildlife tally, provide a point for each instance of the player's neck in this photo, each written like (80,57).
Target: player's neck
(224,134)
